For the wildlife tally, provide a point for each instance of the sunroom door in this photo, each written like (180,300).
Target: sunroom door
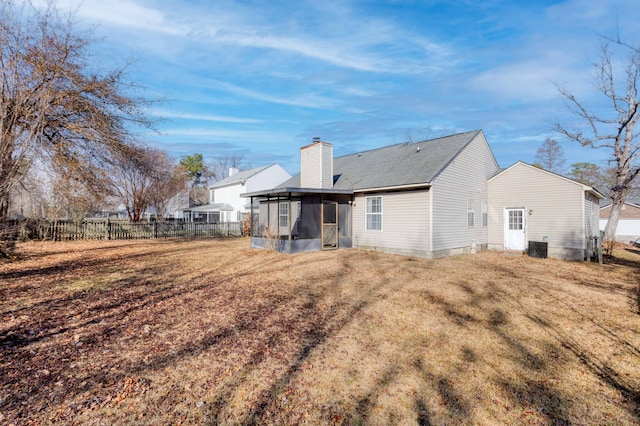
(329,225)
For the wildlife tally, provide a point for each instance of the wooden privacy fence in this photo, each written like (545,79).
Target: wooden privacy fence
(63,230)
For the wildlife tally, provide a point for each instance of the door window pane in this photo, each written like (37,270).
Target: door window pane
(516,220)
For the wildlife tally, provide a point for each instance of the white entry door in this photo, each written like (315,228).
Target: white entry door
(514,229)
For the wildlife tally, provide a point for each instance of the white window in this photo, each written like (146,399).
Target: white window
(485,213)
(283,215)
(470,212)
(374,214)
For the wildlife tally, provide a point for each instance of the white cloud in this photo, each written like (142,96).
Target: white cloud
(307,101)
(524,81)
(226,134)
(205,117)
(124,13)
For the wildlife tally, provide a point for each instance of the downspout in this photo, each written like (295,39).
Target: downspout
(431,219)
(585,243)
(251,218)
(289,221)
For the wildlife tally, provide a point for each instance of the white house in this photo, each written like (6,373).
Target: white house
(226,203)
(629,222)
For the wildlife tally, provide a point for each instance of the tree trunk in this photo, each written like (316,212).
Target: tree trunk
(4,207)
(612,223)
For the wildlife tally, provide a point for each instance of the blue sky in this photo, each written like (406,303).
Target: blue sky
(260,78)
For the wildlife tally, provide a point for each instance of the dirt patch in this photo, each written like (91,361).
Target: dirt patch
(193,332)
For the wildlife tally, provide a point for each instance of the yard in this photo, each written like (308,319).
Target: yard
(213,332)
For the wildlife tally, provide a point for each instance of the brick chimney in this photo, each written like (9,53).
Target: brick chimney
(316,165)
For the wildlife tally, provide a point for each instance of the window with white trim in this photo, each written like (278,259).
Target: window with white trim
(471,214)
(374,213)
(283,214)
(485,213)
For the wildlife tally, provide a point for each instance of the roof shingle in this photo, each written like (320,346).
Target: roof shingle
(395,165)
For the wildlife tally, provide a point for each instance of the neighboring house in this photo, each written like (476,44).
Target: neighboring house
(177,204)
(527,204)
(226,201)
(428,199)
(628,228)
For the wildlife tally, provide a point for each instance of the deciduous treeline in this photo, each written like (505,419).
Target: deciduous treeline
(56,106)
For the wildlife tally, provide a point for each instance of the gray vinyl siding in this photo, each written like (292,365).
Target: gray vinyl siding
(592,215)
(463,179)
(554,208)
(405,223)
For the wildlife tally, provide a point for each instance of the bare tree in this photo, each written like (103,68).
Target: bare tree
(134,175)
(53,105)
(219,169)
(613,131)
(550,156)
(70,199)
(169,180)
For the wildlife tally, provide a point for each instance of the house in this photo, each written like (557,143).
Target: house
(430,199)
(628,228)
(528,204)
(226,203)
(422,199)
(177,204)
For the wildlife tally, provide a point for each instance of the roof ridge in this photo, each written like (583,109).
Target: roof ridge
(409,143)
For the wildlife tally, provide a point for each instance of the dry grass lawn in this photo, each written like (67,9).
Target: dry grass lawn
(213,332)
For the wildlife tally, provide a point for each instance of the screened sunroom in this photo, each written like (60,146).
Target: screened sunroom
(292,220)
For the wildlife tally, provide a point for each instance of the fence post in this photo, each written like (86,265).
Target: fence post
(107,229)
(155,229)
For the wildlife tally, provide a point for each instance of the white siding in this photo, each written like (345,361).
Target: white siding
(592,215)
(269,178)
(316,165)
(232,194)
(627,230)
(405,223)
(465,178)
(554,208)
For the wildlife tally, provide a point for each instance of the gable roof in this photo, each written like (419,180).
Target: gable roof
(396,165)
(632,201)
(535,169)
(240,176)
(215,207)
